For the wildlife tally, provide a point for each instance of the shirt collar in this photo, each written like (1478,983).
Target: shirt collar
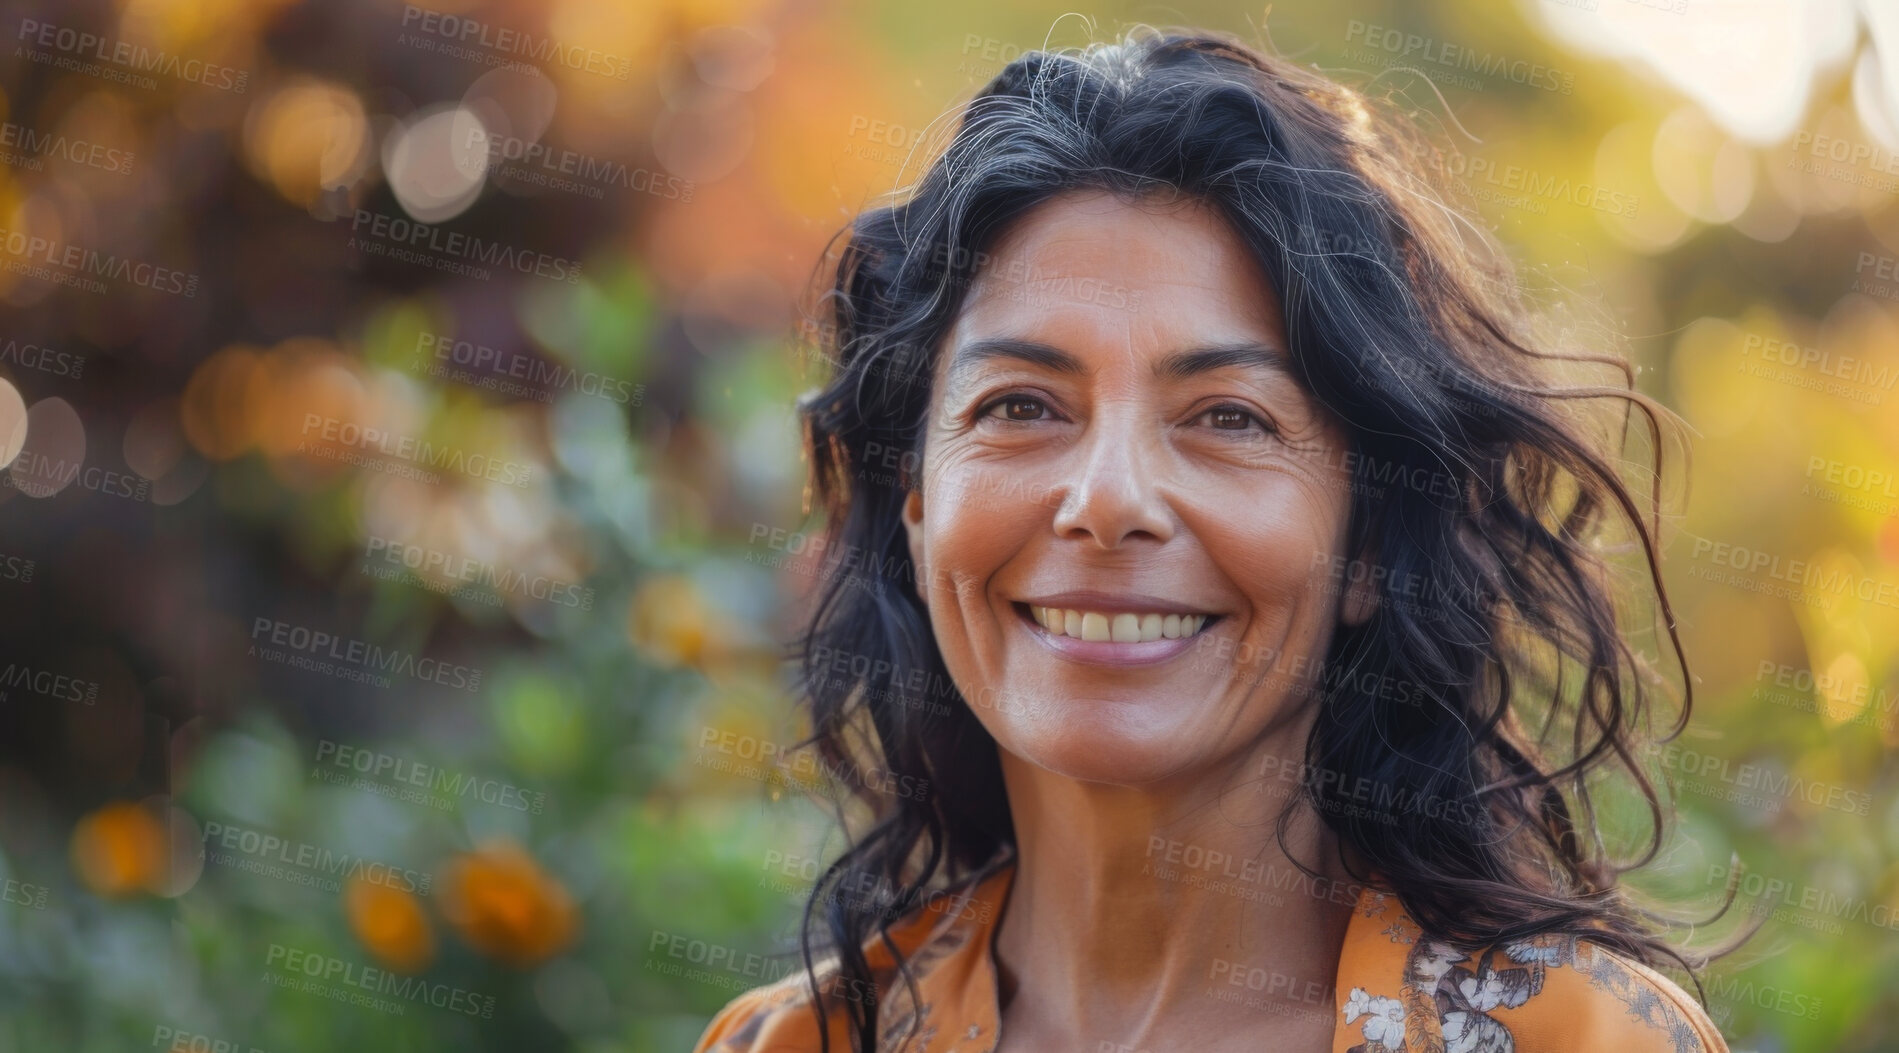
(958,985)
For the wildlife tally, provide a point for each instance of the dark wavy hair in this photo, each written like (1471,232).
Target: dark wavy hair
(1412,327)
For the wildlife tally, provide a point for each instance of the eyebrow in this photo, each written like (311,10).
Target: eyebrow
(1180,365)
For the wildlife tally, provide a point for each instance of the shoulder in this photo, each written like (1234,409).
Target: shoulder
(1591,998)
(1548,994)
(777,1016)
(939,942)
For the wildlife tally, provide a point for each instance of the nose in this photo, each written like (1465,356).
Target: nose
(1112,497)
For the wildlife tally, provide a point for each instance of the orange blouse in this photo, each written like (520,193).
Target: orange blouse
(1397,991)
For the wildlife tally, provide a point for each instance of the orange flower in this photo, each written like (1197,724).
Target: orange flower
(120,850)
(506,906)
(669,623)
(389,922)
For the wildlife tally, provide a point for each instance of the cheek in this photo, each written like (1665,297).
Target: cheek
(1273,541)
(974,508)
(968,534)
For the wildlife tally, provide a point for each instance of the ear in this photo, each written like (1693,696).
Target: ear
(1361,597)
(912,516)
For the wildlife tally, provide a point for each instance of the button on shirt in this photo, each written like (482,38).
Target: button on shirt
(1397,991)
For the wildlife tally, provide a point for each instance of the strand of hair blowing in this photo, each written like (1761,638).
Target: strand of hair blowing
(1403,324)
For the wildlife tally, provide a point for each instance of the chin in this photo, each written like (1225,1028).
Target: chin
(1102,741)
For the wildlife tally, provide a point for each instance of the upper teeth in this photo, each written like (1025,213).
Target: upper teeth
(1124,627)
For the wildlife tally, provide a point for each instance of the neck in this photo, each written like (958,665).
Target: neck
(1168,917)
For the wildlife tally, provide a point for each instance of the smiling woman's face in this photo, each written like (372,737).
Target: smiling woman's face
(1129,505)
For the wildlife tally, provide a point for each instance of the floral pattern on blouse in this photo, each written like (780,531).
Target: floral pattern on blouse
(1448,999)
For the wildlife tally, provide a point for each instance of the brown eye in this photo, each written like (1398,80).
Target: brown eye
(1018,408)
(1233,418)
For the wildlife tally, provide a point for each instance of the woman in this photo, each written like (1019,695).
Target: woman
(1239,506)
